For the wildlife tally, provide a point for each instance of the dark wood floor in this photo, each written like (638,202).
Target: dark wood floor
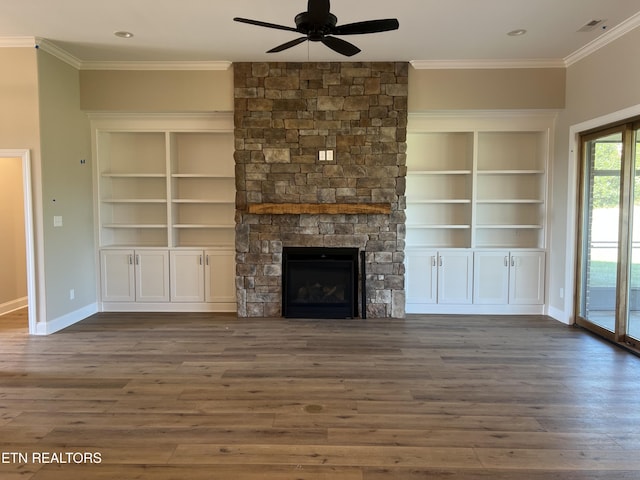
(197,396)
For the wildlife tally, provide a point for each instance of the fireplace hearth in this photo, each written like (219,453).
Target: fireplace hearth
(319,282)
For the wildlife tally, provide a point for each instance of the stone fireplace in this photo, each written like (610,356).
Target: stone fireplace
(285,114)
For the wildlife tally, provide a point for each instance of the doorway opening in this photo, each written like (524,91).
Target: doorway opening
(21,160)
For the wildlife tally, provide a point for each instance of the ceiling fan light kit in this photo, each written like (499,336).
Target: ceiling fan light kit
(318,24)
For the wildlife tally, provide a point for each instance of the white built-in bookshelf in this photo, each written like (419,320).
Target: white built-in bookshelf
(476,189)
(476,195)
(165,189)
(164,182)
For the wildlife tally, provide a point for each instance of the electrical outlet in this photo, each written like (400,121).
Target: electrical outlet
(322,155)
(329,155)
(72,294)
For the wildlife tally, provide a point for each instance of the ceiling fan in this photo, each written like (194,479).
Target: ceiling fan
(318,24)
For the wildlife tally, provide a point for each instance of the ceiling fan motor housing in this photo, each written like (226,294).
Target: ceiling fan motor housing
(315,28)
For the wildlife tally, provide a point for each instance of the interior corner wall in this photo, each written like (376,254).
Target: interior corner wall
(69,250)
(156,91)
(599,85)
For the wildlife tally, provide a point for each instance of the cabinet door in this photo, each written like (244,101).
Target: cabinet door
(526,278)
(491,278)
(187,275)
(454,277)
(152,275)
(422,276)
(220,276)
(117,283)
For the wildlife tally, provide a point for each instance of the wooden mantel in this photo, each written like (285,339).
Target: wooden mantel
(319,208)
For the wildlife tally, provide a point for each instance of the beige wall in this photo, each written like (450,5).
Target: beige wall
(601,84)
(13,274)
(156,91)
(66,188)
(486,89)
(606,81)
(19,99)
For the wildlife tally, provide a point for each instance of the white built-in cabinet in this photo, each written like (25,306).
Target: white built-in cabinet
(201,276)
(504,277)
(134,275)
(477,185)
(439,277)
(166,184)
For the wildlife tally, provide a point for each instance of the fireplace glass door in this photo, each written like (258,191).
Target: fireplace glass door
(320,283)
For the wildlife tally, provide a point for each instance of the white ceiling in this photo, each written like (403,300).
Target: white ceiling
(454,31)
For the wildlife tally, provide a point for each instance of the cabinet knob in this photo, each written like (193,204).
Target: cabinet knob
(200,258)
(506,260)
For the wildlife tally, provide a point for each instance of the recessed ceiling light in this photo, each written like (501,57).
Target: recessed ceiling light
(517,33)
(123,34)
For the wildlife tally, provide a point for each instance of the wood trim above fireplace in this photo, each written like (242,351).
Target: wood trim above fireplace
(319,208)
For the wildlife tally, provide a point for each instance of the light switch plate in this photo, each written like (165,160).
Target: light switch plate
(57,221)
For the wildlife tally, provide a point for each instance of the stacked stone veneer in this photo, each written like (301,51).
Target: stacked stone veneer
(284,114)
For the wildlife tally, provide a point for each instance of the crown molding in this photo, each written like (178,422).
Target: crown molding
(486,64)
(58,52)
(212,65)
(17,42)
(41,44)
(61,54)
(604,39)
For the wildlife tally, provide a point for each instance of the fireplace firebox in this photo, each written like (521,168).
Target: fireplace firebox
(319,282)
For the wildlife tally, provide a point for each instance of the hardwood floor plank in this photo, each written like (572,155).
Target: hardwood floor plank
(438,422)
(324,455)
(494,474)
(472,439)
(131,437)
(199,472)
(559,459)
(135,420)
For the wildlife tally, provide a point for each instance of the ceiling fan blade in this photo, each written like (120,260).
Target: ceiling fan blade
(264,24)
(318,11)
(338,45)
(289,44)
(368,26)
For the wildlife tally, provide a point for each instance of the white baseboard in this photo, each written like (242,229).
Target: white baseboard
(222,307)
(57,324)
(471,309)
(13,305)
(559,315)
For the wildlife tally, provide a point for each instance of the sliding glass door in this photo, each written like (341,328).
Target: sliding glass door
(602,174)
(608,273)
(633,321)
